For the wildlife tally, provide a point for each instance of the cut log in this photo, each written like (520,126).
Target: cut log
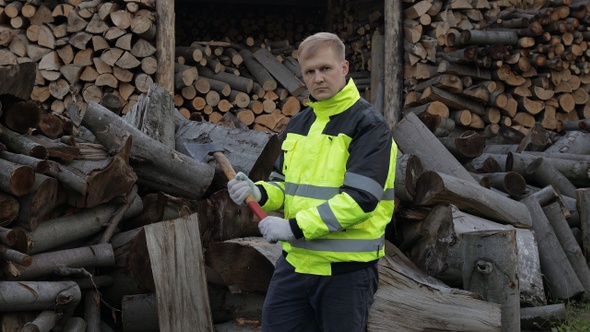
(409,300)
(435,187)
(156,165)
(42,199)
(546,174)
(182,304)
(561,278)
(427,147)
(455,101)
(44,264)
(45,321)
(542,316)
(55,232)
(490,268)
(466,146)
(443,260)
(17,180)
(279,71)
(21,116)
(576,142)
(554,213)
(258,71)
(37,295)
(9,207)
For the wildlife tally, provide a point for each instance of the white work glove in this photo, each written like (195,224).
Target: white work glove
(240,187)
(276,229)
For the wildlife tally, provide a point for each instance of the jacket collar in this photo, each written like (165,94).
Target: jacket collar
(338,103)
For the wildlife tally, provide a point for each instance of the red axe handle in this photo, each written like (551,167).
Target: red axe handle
(229,172)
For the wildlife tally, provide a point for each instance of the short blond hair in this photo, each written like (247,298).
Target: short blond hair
(310,44)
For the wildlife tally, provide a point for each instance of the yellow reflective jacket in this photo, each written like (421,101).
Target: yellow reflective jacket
(334,182)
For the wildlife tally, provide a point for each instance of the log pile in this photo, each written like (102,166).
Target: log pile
(76,206)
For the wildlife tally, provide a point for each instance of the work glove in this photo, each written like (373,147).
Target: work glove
(240,187)
(276,229)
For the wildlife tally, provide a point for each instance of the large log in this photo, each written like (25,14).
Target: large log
(561,278)
(182,303)
(45,264)
(37,295)
(414,138)
(409,300)
(554,213)
(435,187)
(442,259)
(55,232)
(576,142)
(17,180)
(279,71)
(408,169)
(42,199)
(577,172)
(158,166)
(490,269)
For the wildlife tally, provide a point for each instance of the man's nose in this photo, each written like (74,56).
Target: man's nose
(318,77)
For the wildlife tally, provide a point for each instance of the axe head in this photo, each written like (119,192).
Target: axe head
(200,151)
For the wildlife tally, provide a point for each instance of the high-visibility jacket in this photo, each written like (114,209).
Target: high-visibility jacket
(334,182)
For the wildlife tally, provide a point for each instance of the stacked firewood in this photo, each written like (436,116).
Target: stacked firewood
(487,64)
(85,51)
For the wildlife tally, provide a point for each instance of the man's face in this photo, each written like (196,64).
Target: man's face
(324,72)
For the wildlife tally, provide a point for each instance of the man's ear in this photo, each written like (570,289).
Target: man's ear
(345,67)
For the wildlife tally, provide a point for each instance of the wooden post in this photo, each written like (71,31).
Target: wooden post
(178,267)
(394,62)
(377,60)
(165,44)
(495,277)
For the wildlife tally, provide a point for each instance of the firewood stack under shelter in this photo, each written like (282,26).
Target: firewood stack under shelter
(108,223)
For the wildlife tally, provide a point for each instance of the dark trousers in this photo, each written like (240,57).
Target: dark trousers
(306,303)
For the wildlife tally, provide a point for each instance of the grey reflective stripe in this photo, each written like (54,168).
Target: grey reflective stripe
(340,245)
(276,176)
(364,183)
(388,195)
(309,191)
(329,218)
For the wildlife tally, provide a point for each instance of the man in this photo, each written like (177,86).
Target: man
(334,181)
